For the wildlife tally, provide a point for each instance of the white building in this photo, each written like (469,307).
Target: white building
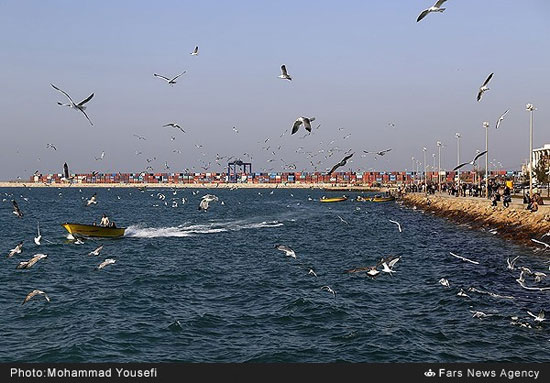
(541,154)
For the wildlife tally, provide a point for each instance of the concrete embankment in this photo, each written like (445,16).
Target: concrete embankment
(513,222)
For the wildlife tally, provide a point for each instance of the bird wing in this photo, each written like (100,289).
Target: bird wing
(479,94)
(385,151)
(347,157)
(461,165)
(422,15)
(88,118)
(479,155)
(62,91)
(439,3)
(86,100)
(283,70)
(334,168)
(540,242)
(161,76)
(307,123)
(296,125)
(393,262)
(530,313)
(178,75)
(488,79)
(501,118)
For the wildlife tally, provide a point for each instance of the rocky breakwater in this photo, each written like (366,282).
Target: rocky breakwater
(513,222)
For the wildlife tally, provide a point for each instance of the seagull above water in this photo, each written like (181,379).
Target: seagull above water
(170,81)
(302,120)
(311,272)
(461,293)
(434,8)
(501,118)
(398,225)
(284,74)
(92,200)
(483,88)
(287,250)
(34,293)
(464,259)
(108,261)
(28,264)
(479,314)
(380,153)
(343,220)
(341,163)
(444,282)
(473,162)
(538,318)
(38,236)
(80,106)
(174,125)
(195,51)
(16,250)
(327,288)
(511,265)
(16,209)
(546,246)
(96,251)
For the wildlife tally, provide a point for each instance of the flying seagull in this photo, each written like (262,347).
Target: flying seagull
(38,236)
(195,51)
(380,153)
(433,8)
(327,288)
(174,125)
(484,87)
(92,200)
(510,265)
(473,162)
(284,74)
(287,250)
(170,81)
(444,282)
(16,209)
(100,157)
(343,220)
(34,293)
(66,174)
(398,225)
(96,251)
(302,120)
(538,318)
(28,264)
(501,118)
(464,259)
(341,163)
(312,272)
(16,250)
(139,137)
(51,146)
(108,261)
(80,106)
(546,246)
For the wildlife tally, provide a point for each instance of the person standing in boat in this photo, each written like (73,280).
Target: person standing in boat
(104,220)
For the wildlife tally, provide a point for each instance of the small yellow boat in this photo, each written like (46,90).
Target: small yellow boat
(335,199)
(382,199)
(94,230)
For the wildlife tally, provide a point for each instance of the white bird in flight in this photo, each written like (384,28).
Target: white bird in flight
(434,8)
(302,120)
(329,289)
(464,259)
(284,74)
(287,250)
(92,200)
(173,125)
(398,225)
(501,118)
(195,51)
(28,264)
(80,106)
(511,264)
(170,81)
(473,162)
(343,220)
(483,88)
(38,236)
(312,272)
(34,293)
(96,251)
(444,282)
(100,157)
(108,261)
(16,250)
(538,318)
(546,246)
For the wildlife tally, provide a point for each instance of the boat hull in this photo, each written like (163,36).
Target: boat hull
(383,199)
(339,199)
(93,230)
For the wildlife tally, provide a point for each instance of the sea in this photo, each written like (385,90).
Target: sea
(210,286)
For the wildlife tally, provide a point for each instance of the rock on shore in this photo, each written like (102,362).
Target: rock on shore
(513,222)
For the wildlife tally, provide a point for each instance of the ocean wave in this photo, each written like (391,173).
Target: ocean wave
(138,231)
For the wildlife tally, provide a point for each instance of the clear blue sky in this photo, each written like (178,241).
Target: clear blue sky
(356,65)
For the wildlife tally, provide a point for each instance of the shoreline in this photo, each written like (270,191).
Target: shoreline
(513,223)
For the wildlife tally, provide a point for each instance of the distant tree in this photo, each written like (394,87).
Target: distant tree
(542,173)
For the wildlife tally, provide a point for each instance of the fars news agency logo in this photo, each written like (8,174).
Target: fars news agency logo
(429,373)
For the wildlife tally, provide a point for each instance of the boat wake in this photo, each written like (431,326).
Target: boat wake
(137,231)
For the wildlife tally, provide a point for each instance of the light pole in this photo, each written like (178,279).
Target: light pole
(439,166)
(433,168)
(457,135)
(413,175)
(424,150)
(486,126)
(530,108)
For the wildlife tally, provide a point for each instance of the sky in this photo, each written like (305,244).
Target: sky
(356,66)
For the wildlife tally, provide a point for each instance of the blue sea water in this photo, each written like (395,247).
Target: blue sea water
(209,286)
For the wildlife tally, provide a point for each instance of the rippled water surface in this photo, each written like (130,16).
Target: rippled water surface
(197,286)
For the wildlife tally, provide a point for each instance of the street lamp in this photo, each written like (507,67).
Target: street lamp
(457,135)
(530,108)
(486,126)
(439,144)
(413,175)
(424,150)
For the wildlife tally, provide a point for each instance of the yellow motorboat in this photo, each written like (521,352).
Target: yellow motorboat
(334,199)
(382,199)
(94,230)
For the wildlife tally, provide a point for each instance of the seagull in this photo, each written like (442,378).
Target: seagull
(28,264)
(16,250)
(444,282)
(398,225)
(34,293)
(80,106)
(287,250)
(174,125)
(501,118)
(195,51)
(539,317)
(311,272)
(302,120)
(511,265)
(539,276)
(16,209)
(139,137)
(100,157)
(546,246)
(473,162)
(461,293)
(108,261)
(170,81)
(284,74)
(329,290)
(484,87)
(235,130)
(92,200)
(341,163)
(51,146)
(479,314)
(388,266)
(464,259)
(343,220)
(38,237)
(205,201)
(433,8)
(78,241)
(96,251)
(380,153)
